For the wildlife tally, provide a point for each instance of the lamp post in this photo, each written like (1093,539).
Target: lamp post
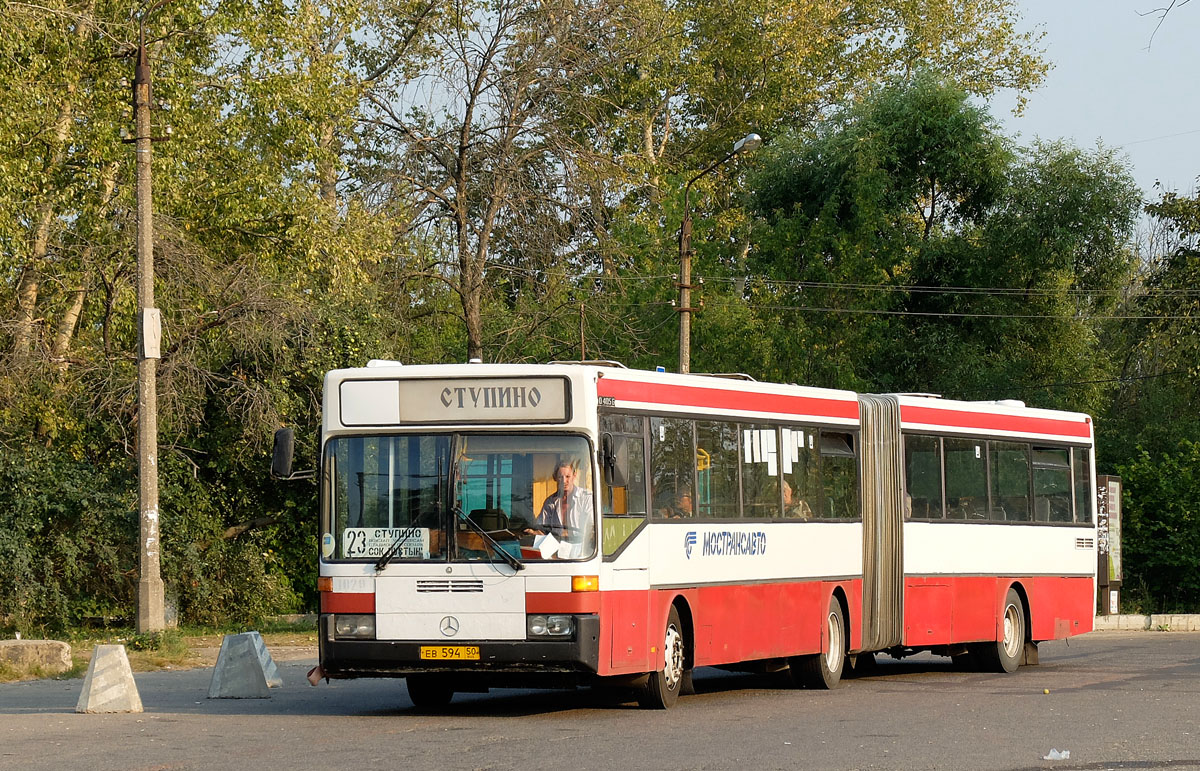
(746,144)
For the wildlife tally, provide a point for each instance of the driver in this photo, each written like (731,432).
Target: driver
(567,513)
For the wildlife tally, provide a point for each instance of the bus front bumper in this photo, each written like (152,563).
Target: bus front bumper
(578,655)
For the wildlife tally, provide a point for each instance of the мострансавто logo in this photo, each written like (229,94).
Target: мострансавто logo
(726,543)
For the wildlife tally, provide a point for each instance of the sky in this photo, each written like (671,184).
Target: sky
(1117,81)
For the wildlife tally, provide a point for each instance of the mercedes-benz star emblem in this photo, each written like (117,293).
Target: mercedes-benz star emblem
(449,626)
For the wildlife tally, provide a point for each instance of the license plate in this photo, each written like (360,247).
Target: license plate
(450,652)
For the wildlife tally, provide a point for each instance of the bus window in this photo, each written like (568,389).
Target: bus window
(672,467)
(1010,481)
(716,469)
(966,478)
(1083,488)
(801,481)
(381,486)
(623,475)
(839,476)
(923,476)
(760,472)
(1051,484)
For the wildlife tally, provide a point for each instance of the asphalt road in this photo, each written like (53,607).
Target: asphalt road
(1117,700)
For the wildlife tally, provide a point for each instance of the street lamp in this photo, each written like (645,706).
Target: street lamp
(746,144)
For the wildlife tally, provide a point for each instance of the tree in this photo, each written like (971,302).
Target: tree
(969,268)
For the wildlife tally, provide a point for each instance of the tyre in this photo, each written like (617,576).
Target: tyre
(429,691)
(824,670)
(663,686)
(1004,655)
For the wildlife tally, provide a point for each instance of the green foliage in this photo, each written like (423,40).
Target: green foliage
(66,535)
(1161,538)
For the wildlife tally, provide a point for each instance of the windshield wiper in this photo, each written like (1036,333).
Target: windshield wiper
(492,543)
(391,552)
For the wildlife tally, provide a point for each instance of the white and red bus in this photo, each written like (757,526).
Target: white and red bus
(713,521)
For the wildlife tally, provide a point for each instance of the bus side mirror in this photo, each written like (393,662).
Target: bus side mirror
(614,454)
(281,455)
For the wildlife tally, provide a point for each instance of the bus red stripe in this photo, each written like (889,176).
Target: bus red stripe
(935,416)
(720,398)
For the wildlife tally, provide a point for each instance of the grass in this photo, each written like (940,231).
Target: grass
(183,648)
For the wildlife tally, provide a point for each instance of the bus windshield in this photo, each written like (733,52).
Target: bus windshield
(532,494)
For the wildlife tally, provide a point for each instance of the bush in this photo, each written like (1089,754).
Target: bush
(65,533)
(1161,529)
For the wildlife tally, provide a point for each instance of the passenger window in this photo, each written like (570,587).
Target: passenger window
(760,472)
(623,473)
(673,468)
(966,478)
(1010,481)
(839,476)
(1083,487)
(1051,484)
(801,479)
(716,470)
(923,477)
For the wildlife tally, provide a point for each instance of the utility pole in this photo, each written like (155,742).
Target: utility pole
(746,144)
(151,613)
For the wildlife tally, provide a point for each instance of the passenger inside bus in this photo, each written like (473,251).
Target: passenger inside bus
(795,508)
(676,505)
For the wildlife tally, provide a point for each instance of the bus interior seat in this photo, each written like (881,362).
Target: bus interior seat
(490,519)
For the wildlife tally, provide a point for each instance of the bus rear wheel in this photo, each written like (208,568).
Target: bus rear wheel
(1004,655)
(824,670)
(429,691)
(663,686)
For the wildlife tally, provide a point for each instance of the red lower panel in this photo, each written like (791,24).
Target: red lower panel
(562,602)
(762,621)
(344,602)
(729,623)
(953,609)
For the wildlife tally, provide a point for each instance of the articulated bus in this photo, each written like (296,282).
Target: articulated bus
(493,525)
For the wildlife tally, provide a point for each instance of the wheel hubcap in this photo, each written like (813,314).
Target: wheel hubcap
(1012,631)
(833,657)
(673,660)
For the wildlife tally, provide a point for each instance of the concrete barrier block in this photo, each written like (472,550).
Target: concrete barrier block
(244,670)
(50,656)
(109,685)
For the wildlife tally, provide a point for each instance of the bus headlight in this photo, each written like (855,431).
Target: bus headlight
(550,626)
(354,627)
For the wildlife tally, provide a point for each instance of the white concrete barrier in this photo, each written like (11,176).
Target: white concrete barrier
(244,670)
(109,685)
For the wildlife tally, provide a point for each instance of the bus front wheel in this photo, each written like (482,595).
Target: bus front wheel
(429,691)
(663,686)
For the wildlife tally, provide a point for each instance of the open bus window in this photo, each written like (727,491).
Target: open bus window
(839,474)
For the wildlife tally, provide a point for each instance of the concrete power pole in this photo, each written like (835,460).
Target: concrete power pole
(150,606)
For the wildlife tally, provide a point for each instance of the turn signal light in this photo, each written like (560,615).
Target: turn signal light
(585,583)
(325,584)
